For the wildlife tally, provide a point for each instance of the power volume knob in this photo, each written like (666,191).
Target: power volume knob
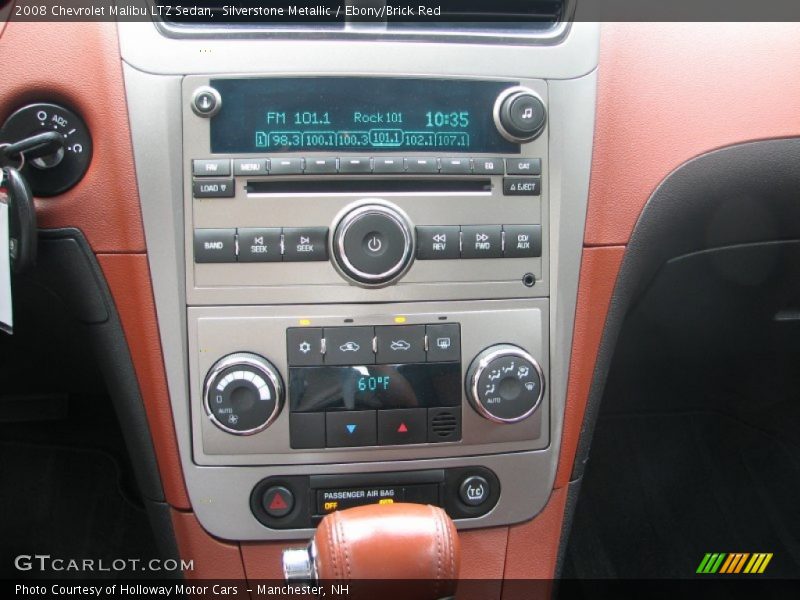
(505,384)
(373,244)
(520,115)
(243,393)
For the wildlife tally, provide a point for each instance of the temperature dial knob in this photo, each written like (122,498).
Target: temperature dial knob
(519,115)
(54,174)
(505,384)
(243,393)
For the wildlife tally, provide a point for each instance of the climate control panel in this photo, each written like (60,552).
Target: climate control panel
(352,383)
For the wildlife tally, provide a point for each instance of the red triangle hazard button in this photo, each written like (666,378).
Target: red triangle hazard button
(402,428)
(278,501)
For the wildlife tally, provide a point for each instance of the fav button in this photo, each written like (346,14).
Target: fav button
(305,243)
(211,167)
(351,428)
(400,343)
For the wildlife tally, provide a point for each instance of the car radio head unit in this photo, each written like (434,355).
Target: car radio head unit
(369,188)
(349,114)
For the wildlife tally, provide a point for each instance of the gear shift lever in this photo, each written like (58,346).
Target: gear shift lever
(398,542)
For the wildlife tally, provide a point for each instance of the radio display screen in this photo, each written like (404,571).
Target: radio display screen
(352,114)
(364,387)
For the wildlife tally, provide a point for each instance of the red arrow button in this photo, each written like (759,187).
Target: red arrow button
(402,428)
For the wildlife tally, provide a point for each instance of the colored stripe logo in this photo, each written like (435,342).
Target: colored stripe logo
(734,563)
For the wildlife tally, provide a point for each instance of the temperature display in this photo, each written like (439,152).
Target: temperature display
(354,114)
(362,387)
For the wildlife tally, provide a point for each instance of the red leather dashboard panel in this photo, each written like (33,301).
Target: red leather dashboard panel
(668,92)
(213,559)
(78,64)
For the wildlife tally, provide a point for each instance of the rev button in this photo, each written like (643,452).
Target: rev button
(438,242)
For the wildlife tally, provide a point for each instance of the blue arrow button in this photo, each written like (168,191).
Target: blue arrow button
(351,428)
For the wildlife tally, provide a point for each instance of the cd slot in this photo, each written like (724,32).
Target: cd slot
(371,185)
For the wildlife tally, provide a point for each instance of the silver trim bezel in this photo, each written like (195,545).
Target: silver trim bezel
(480,364)
(251,360)
(341,260)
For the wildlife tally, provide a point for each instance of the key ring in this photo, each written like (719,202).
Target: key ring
(21,164)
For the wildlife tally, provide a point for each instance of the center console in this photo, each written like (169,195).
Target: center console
(365,276)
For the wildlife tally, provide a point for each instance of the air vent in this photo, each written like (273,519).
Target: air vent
(445,425)
(453,20)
